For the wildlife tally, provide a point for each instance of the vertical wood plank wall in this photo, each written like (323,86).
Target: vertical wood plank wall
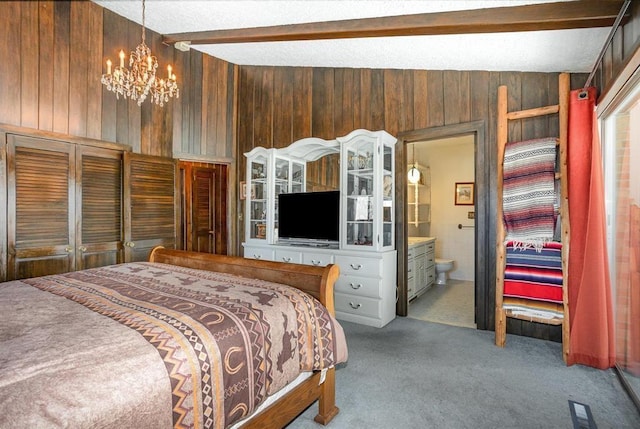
(53,55)
(624,43)
(398,101)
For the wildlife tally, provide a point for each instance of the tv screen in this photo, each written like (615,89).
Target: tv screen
(309,216)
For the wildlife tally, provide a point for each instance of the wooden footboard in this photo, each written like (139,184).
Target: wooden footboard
(316,281)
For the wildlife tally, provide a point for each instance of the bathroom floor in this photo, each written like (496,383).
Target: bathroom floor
(450,304)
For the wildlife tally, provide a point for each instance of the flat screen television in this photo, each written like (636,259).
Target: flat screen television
(309,218)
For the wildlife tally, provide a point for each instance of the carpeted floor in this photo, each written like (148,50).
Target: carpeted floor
(451,304)
(417,374)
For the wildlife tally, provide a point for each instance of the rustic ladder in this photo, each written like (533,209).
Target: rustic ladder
(562,108)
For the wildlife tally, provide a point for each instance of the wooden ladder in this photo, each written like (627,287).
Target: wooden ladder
(562,108)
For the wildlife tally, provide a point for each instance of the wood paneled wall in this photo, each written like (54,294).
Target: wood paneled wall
(53,55)
(625,42)
(282,104)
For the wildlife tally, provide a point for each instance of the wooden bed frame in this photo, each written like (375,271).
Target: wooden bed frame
(316,281)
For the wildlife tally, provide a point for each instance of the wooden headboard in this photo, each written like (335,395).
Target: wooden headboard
(316,281)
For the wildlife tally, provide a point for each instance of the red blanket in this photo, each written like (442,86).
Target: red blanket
(534,274)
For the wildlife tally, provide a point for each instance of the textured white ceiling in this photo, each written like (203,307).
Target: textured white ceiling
(539,51)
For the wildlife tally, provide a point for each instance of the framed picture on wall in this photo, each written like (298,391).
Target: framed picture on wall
(465,193)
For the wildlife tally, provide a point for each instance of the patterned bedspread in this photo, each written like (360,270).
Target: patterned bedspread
(226,342)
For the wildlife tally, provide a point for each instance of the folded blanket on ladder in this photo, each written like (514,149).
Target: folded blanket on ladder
(534,274)
(529,191)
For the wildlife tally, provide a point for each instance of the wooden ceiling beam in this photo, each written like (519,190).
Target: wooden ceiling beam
(535,17)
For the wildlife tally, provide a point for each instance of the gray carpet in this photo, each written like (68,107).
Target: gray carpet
(417,374)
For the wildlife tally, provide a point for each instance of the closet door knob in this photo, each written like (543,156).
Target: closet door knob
(83,249)
(68,249)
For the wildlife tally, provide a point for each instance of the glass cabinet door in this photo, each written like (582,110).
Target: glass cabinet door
(360,189)
(281,186)
(257,198)
(387,196)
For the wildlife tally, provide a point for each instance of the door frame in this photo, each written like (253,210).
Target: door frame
(484,229)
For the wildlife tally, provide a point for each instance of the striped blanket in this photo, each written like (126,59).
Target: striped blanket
(534,274)
(529,191)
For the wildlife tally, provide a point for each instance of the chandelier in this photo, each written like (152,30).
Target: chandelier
(140,80)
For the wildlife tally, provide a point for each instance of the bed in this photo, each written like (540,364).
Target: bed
(183,340)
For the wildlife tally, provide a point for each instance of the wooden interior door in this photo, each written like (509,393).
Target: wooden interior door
(99,207)
(150,204)
(40,207)
(203,198)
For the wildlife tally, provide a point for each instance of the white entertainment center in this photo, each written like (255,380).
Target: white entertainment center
(365,247)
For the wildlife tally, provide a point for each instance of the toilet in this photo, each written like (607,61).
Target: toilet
(443,266)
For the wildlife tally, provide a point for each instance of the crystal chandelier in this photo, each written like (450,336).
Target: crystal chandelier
(140,80)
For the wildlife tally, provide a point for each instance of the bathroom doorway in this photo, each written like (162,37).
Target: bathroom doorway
(480,229)
(441,210)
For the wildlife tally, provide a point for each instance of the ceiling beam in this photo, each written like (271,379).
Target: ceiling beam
(535,17)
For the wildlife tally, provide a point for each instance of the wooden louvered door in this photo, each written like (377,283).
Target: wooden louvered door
(99,207)
(203,199)
(40,207)
(150,204)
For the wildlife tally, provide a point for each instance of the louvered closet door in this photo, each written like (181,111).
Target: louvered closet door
(99,205)
(203,199)
(150,204)
(40,207)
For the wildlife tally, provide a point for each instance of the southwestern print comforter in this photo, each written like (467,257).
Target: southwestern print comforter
(153,345)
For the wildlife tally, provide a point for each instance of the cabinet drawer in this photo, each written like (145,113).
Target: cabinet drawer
(288,256)
(431,247)
(359,266)
(317,259)
(358,286)
(258,253)
(360,306)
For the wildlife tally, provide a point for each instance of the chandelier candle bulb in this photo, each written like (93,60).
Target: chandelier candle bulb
(121,58)
(108,66)
(169,69)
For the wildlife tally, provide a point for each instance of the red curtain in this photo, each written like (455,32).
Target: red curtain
(589,288)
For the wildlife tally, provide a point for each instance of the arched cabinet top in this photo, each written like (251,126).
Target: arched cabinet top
(307,149)
(314,148)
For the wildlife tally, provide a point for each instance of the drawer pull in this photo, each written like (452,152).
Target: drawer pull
(355,306)
(356,267)
(286,259)
(256,256)
(353,286)
(316,262)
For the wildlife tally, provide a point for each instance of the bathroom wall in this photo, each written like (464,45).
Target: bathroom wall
(451,160)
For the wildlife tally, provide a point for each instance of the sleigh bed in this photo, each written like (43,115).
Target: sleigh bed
(184,340)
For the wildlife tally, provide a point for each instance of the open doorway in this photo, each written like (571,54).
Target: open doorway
(483,230)
(441,214)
